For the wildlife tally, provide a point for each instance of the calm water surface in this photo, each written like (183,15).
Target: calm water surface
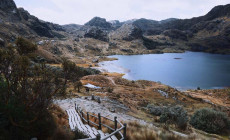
(180,70)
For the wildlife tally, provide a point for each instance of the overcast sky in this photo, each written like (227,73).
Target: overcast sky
(81,11)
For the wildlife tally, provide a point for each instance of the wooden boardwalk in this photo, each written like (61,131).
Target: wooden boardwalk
(76,123)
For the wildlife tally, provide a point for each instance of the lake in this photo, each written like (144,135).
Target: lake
(187,70)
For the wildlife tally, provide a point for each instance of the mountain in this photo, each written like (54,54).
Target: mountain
(18,22)
(99,22)
(208,33)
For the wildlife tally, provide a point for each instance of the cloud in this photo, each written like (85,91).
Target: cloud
(81,11)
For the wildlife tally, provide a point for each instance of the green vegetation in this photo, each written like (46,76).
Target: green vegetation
(176,115)
(26,91)
(210,121)
(24,46)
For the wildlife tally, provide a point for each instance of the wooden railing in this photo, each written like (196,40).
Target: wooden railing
(115,131)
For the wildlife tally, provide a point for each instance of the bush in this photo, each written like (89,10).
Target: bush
(176,115)
(24,46)
(26,91)
(210,121)
(110,90)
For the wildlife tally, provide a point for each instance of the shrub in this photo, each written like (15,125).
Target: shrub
(176,115)
(24,46)
(26,92)
(110,90)
(210,120)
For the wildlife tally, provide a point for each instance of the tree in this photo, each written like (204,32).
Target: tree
(78,85)
(26,91)
(24,46)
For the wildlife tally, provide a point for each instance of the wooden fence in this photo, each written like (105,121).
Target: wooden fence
(119,132)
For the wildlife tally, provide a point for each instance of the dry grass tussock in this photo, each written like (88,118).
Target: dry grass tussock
(136,131)
(62,131)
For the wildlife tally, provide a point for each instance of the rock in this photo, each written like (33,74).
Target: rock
(10,9)
(2,42)
(95,61)
(40,42)
(97,33)
(112,44)
(112,110)
(116,23)
(127,50)
(99,22)
(175,34)
(127,32)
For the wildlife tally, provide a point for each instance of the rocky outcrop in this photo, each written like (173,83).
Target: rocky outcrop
(116,24)
(176,34)
(127,32)
(99,22)
(9,11)
(42,28)
(97,33)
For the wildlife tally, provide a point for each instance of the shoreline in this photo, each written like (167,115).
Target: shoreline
(107,66)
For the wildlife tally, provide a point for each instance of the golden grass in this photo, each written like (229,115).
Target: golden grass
(61,119)
(114,74)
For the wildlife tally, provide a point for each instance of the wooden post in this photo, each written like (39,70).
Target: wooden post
(99,121)
(82,115)
(76,107)
(93,98)
(98,137)
(115,121)
(124,133)
(88,117)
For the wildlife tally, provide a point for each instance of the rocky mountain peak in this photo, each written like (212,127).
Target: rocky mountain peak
(99,22)
(218,11)
(7,5)
(9,9)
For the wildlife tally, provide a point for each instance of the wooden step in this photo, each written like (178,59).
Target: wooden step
(75,122)
(106,134)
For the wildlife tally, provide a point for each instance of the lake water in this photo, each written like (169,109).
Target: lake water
(180,70)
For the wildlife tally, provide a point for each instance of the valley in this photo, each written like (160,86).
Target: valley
(45,69)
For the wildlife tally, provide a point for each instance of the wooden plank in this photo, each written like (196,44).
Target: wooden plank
(107,135)
(102,134)
(92,135)
(113,138)
(80,122)
(95,130)
(78,126)
(70,121)
(75,122)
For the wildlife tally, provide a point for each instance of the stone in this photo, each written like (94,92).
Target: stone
(112,110)
(2,42)
(96,33)
(95,61)
(99,22)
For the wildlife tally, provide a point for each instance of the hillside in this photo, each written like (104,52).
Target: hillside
(48,68)
(208,33)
